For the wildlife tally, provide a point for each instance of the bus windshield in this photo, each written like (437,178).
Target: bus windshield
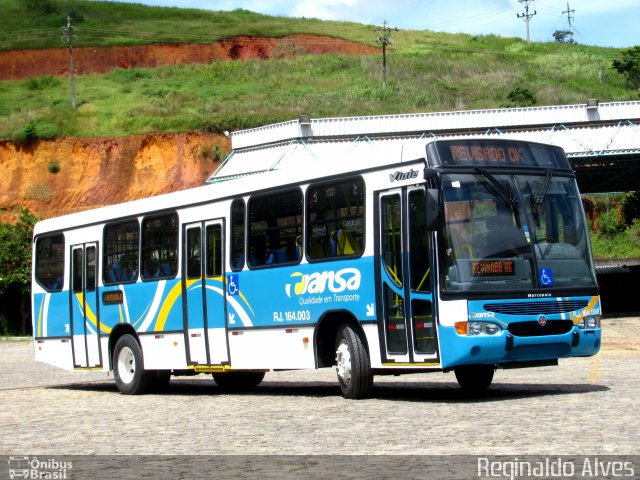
(514,232)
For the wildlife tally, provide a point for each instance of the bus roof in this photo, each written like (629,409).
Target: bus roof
(297,162)
(269,166)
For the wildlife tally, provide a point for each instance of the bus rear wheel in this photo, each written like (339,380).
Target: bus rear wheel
(474,379)
(238,381)
(128,367)
(352,364)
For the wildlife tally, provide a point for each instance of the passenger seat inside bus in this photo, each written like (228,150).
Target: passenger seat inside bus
(343,243)
(115,272)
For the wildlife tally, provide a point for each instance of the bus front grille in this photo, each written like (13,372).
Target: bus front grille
(536,308)
(534,329)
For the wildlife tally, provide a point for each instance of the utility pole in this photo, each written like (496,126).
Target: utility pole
(568,11)
(384,40)
(526,15)
(67,37)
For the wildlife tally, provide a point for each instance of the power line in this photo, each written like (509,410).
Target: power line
(487,16)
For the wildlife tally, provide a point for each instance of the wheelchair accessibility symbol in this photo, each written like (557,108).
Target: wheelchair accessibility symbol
(546,277)
(233,285)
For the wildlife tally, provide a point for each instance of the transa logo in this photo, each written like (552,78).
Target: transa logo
(318,282)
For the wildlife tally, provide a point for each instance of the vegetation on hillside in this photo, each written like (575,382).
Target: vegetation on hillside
(15,274)
(615,224)
(37,23)
(427,72)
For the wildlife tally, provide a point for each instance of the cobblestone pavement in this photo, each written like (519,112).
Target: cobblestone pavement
(585,406)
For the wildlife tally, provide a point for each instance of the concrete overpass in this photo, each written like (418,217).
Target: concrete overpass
(602,140)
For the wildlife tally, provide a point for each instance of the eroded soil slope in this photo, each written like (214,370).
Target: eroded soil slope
(21,64)
(101,171)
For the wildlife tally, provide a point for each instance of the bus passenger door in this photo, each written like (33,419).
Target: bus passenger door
(407,327)
(204,293)
(85,318)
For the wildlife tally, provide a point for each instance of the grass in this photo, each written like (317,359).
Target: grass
(623,245)
(230,95)
(101,23)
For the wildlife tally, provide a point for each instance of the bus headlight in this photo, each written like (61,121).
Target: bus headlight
(475,328)
(589,323)
(492,328)
(483,328)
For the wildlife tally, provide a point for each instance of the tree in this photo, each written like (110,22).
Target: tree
(630,207)
(15,261)
(563,36)
(521,97)
(629,65)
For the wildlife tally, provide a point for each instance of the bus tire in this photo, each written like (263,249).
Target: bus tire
(474,379)
(238,381)
(353,366)
(128,367)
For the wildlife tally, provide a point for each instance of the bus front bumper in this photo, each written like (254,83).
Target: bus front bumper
(506,348)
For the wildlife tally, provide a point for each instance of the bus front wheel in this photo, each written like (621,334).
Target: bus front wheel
(474,378)
(352,364)
(128,367)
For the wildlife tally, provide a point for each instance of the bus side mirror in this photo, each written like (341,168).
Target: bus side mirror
(433,209)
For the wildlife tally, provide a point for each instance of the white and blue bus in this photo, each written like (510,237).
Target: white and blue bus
(461,255)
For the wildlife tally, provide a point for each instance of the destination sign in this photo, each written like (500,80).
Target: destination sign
(478,154)
(112,297)
(492,268)
(497,153)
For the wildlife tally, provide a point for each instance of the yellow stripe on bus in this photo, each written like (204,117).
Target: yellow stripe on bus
(40,316)
(92,316)
(168,305)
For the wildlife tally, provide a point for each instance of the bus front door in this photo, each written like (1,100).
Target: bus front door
(407,326)
(203,290)
(85,317)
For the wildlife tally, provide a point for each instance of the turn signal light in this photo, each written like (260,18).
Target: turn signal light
(461,327)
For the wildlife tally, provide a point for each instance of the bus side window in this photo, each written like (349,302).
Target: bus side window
(237,234)
(160,247)
(49,271)
(214,251)
(121,246)
(275,224)
(335,219)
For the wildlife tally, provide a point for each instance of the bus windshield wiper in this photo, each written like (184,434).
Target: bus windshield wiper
(541,191)
(503,193)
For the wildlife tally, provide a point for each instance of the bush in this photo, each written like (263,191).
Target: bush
(40,83)
(54,167)
(33,131)
(521,97)
(28,135)
(610,223)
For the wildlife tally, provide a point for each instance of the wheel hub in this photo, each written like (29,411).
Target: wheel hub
(126,365)
(343,363)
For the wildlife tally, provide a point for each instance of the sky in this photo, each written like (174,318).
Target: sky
(606,23)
